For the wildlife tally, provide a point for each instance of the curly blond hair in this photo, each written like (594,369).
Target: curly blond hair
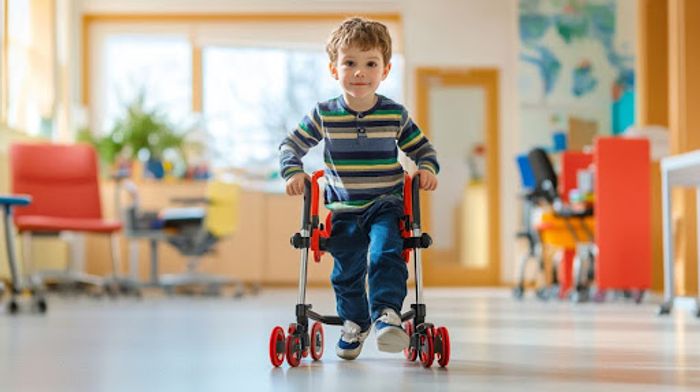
(361,33)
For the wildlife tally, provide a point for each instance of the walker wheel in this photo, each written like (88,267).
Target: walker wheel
(316,341)
(294,347)
(410,352)
(277,346)
(442,346)
(427,349)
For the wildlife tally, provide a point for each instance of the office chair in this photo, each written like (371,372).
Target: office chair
(63,183)
(17,284)
(194,231)
(566,228)
(530,198)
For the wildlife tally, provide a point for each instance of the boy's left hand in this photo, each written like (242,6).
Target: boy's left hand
(428,180)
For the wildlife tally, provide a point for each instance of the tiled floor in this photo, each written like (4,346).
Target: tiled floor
(221,344)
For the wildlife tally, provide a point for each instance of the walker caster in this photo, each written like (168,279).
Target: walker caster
(277,346)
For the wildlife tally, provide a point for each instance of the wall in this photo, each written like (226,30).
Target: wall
(575,61)
(475,33)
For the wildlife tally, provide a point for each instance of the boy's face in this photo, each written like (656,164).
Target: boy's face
(359,72)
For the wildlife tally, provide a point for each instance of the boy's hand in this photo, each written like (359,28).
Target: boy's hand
(428,180)
(295,184)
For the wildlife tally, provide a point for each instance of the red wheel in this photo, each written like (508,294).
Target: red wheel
(410,352)
(294,350)
(442,346)
(316,341)
(425,344)
(277,346)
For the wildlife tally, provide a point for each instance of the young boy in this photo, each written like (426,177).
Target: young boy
(364,188)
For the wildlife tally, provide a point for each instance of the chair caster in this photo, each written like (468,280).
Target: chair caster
(581,295)
(40,305)
(665,309)
(543,293)
(518,292)
(13,307)
(599,296)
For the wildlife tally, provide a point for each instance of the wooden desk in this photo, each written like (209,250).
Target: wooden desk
(257,252)
(679,170)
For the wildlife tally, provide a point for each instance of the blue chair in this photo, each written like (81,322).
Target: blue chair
(530,197)
(8,202)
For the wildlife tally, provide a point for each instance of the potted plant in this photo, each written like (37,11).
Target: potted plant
(141,133)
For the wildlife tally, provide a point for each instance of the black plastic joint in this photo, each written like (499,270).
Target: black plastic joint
(406,222)
(425,241)
(323,243)
(302,316)
(299,242)
(419,310)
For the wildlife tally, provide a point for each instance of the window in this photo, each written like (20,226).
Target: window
(254,96)
(30,66)
(258,78)
(159,67)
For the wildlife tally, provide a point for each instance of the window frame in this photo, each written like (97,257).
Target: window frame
(192,21)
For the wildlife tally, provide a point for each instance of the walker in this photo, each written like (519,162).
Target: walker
(427,342)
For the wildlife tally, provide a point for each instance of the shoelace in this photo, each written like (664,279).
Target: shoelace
(350,332)
(390,318)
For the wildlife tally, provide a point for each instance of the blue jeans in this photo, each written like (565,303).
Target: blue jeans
(376,230)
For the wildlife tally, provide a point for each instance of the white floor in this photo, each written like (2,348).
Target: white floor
(221,344)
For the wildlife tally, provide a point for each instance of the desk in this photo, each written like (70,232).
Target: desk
(678,170)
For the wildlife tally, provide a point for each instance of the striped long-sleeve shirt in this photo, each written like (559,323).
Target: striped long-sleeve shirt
(360,153)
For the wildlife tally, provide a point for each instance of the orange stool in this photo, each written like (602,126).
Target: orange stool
(555,232)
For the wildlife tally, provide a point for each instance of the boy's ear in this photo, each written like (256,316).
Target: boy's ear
(333,69)
(387,68)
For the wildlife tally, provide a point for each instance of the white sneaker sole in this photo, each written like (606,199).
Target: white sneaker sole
(348,354)
(392,340)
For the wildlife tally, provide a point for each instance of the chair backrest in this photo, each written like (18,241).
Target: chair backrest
(62,179)
(571,163)
(222,209)
(527,178)
(545,178)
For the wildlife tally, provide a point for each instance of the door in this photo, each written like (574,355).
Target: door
(458,110)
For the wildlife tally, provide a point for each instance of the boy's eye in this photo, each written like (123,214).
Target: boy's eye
(372,64)
(349,63)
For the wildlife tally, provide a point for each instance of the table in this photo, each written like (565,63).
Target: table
(678,170)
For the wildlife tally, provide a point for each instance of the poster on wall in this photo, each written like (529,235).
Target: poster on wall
(576,59)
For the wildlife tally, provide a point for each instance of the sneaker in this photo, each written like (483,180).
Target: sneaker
(351,339)
(391,338)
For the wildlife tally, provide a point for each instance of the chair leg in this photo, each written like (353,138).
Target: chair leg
(119,283)
(74,273)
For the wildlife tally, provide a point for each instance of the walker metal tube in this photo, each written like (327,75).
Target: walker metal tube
(416,232)
(305,232)
(303,263)
(417,263)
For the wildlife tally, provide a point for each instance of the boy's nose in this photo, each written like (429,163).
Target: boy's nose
(359,73)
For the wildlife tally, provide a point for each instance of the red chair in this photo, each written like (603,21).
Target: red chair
(63,183)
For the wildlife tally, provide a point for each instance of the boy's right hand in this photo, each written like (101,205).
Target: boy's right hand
(295,184)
